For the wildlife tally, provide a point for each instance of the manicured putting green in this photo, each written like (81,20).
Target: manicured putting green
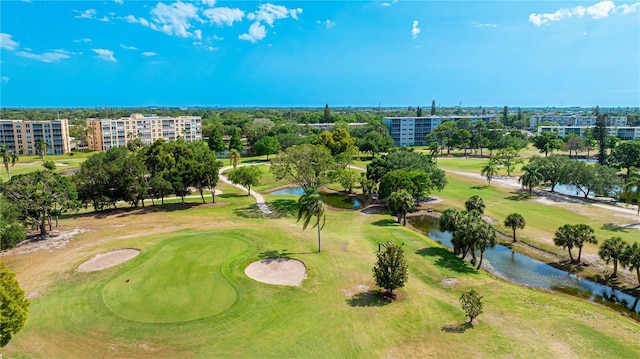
(182,281)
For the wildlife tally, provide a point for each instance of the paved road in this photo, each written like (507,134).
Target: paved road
(259,199)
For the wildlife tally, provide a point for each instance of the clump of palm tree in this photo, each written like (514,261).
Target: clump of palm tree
(310,205)
(9,158)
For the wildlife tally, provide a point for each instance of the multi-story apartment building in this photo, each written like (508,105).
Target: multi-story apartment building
(108,133)
(411,131)
(576,120)
(21,136)
(623,133)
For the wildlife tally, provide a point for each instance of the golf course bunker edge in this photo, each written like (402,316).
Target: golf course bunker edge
(278,271)
(109,259)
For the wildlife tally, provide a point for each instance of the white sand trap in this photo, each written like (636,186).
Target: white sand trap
(280,271)
(107,260)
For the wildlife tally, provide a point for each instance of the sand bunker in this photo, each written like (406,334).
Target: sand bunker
(280,271)
(107,260)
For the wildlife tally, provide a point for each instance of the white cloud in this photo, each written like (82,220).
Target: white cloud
(85,40)
(87,14)
(149,53)
(49,56)
(224,15)
(104,54)
(175,19)
(256,33)
(104,19)
(133,48)
(5,79)
(596,11)
(415,29)
(6,42)
(209,3)
(387,4)
(269,13)
(327,23)
(132,19)
(118,2)
(486,25)
(197,34)
(628,9)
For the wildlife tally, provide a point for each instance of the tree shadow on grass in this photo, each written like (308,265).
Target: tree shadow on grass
(456,328)
(479,187)
(275,254)
(613,228)
(284,207)
(371,298)
(519,196)
(251,211)
(386,223)
(447,259)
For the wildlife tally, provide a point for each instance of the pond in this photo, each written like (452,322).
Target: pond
(335,200)
(518,268)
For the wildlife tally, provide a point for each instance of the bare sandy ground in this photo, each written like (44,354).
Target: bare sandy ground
(279,271)
(107,260)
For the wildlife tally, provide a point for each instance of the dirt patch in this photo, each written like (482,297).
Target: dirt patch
(449,282)
(279,271)
(55,239)
(107,260)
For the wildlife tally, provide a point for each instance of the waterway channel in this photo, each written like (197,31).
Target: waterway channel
(518,268)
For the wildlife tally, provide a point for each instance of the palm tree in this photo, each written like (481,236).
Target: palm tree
(475,203)
(485,238)
(41,147)
(490,170)
(531,177)
(234,157)
(514,221)
(400,203)
(631,258)
(612,249)
(565,238)
(632,187)
(584,233)
(310,205)
(8,157)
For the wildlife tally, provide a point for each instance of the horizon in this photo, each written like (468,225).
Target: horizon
(304,54)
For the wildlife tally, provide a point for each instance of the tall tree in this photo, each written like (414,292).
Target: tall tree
(433,108)
(509,158)
(306,165)
(485,237)
(14,306)
(266,145)
(246,176)
(631,259)
(37,195)
(236,141)
(41,148)
(531,177)
(9,158)
(632,188)
(216,143)
(626,155)
(326,115)
(234,157)
(475,203)
(547,142)
(400,203)
(394,181)
(391,271)
(574,235)
(505,115)
(419,112)
(554,169)
(471,303)
(612,249)
(514,221)
(490,170)
(310,205)
(600,135)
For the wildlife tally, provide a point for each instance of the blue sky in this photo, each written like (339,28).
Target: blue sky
(307,53)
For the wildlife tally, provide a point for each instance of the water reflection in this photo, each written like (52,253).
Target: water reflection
(518,268)
(335,200)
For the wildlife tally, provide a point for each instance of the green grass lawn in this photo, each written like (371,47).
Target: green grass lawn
(177,280)
(190,297)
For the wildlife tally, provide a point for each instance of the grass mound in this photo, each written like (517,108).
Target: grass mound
(182,281)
